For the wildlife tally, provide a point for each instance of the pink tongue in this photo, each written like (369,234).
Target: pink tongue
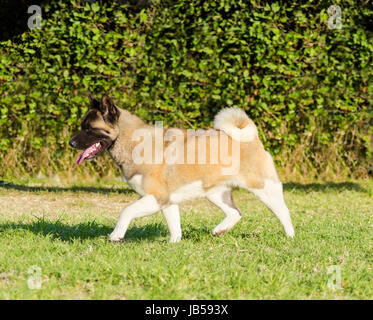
(88,152)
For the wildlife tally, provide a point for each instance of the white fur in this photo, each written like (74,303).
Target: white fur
(136,184)
(188,192)
(172,216)
(228,119)
(232,214)
(141,208)
(272,196)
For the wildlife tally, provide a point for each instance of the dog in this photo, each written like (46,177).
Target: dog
(163,183)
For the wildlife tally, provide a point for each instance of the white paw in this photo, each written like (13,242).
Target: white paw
(115,237)
(290,232)
(219,231)
(175,239)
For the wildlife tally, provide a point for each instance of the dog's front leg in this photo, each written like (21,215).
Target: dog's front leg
(172,215)
(143,207)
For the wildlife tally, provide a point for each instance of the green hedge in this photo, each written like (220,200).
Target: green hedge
(309,88)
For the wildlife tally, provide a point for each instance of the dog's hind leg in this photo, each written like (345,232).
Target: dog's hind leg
(143,207)
(222,197)
(272,196)
(172,215)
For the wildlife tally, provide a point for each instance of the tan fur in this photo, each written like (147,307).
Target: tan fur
(161,180)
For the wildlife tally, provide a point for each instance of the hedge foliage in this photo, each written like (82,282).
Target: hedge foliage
(308,88)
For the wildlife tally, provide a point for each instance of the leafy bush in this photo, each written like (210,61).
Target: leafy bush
(308,87)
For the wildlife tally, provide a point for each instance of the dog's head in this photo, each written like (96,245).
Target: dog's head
(99,129)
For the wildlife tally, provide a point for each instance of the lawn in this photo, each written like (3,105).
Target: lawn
(54,245)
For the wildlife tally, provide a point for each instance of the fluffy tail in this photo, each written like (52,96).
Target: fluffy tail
(235,123)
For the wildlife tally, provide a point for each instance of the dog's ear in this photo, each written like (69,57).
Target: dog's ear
(95,103)
(108,109)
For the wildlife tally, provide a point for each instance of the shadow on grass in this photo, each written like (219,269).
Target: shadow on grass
(326,186)
(290,186)
(57,230)
(196,234)
(82,231)
(103,190)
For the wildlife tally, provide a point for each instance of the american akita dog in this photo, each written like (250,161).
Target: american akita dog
(163,184)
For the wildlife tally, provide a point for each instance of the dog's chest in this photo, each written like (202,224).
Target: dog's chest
(136,184)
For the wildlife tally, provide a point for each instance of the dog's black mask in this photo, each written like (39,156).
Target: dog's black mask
(97,129)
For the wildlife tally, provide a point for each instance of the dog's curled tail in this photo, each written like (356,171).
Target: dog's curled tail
(235,123)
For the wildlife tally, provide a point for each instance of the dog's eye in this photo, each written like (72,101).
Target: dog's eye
(98,130)
(90,130)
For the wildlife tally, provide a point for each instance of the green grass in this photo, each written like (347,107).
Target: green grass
(62,229)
